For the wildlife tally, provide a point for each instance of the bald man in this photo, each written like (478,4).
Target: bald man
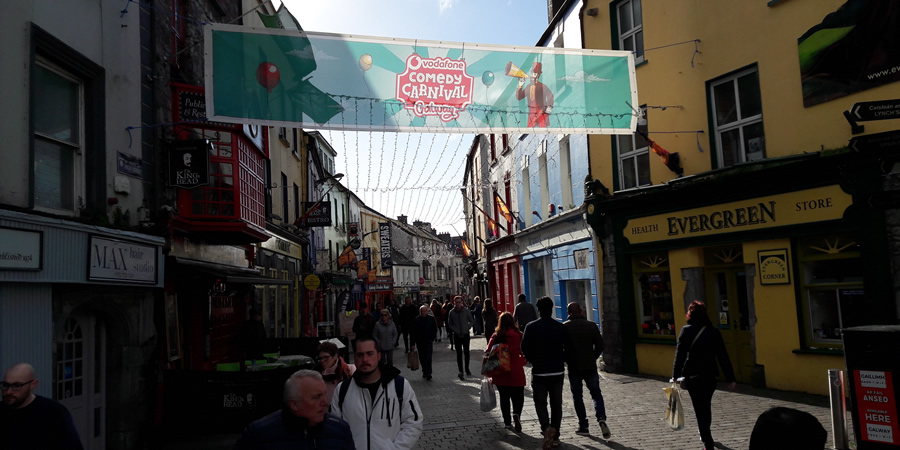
(30,421)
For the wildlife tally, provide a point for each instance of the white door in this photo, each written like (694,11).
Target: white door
(80,377)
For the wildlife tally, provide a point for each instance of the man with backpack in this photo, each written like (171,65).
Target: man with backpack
(378,403)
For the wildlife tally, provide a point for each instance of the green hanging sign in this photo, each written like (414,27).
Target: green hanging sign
(293,78)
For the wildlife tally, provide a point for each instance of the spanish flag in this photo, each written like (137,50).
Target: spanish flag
(492,224)
(466,250)
(503,208)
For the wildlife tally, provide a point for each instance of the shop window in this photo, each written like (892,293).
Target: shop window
(737,115)
(653,290)
(832,285)
(537,279)
(631,28)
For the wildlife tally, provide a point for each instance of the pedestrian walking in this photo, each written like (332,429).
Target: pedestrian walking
(302,423)
(546,345)
(476,309)
(700,346)
(511,385)
(489,315)
(587,346)
(525,312)
(438,311)
(363,325)
(30,421)
(424,330)
(446,309)
(459,322)
(333,368)
(408,313)
(379,404)
(395,318)
(385,335)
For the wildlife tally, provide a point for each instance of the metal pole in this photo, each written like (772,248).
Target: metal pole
(838,408)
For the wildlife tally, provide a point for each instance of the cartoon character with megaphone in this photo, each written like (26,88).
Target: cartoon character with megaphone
(540,98)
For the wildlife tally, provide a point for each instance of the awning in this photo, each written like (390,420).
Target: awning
(230,274)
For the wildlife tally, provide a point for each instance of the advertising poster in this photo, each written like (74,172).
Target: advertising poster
(877,407)
(329,81)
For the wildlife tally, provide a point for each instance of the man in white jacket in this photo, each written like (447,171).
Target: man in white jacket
(380,406)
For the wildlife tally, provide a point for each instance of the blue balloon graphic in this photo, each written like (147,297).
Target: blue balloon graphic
(487,78)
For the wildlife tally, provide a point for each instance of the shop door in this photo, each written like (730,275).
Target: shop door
(80,384)
(579,291)
(729,311)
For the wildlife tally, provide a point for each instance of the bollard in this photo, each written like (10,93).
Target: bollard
(838,408)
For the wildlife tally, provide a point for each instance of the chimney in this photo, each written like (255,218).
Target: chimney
(402,219)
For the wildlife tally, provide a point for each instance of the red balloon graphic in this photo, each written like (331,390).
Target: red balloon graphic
(268,76)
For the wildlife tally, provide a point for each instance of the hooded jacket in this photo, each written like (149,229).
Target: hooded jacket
(384,423)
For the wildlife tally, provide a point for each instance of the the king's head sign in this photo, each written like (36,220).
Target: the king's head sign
(435,87)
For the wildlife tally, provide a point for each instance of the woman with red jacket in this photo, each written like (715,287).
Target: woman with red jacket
(511,385)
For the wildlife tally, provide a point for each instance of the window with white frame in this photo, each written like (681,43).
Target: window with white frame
(631,28)
(634,157)
(58,139)
(737,114)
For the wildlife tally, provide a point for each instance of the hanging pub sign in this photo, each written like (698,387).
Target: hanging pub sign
(189,163)
(384,234)
(292,78)
(353,230)
(318,214)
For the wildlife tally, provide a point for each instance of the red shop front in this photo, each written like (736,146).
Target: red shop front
(505,274)
(379,293)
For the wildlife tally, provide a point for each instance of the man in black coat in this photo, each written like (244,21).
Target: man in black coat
(408,313)
(587,346)
(303,422)
(424,330)
(546,345)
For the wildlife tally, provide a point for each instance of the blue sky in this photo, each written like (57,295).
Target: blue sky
(420,172)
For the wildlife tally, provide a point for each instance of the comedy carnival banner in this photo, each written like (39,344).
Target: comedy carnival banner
(293,78)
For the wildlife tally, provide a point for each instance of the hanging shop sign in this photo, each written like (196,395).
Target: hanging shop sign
(318,214)
(384,234)
(381,284)
(189,163)
(311,282)
(20,249)
(774,267)
(121,261)
(329,81)
(791,208)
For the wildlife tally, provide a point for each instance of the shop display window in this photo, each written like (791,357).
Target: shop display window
(833,292)
(653,290)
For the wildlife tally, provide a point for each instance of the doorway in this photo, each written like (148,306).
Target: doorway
(579,291)
(80,383)
(730,312)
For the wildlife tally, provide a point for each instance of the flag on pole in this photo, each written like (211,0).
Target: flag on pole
(347,258)
(492,224)
(503,208)
(671,160)
(465,247)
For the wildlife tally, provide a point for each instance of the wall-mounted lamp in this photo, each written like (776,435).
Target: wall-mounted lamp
(593,12)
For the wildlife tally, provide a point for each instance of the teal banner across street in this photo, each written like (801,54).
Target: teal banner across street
(293,78)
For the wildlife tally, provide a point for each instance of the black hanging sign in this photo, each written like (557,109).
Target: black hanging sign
(189,163)
(880,110)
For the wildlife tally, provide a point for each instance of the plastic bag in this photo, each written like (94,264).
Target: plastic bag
(412,360)
(488,397)
(674,409)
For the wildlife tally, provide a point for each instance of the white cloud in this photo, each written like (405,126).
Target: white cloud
(308,54)
(445,5)
(582,77)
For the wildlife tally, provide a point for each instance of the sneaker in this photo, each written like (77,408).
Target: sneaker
(549,436)
(518,424)
(508,427)
(461,377)
(604,430)
(583,431)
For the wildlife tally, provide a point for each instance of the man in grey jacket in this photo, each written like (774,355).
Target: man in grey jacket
(587,346)
(460,321)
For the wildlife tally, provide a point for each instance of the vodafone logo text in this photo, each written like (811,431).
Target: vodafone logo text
(435,87)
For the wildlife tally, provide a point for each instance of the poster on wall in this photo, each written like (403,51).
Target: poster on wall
(853,49)
(330,81)
(876,406)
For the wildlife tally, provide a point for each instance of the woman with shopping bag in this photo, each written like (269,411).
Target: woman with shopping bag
(510,384)
(700,347)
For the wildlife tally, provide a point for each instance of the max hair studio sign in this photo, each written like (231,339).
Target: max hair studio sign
(121,261)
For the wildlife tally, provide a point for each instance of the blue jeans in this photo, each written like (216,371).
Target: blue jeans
(541,387)
(591,378)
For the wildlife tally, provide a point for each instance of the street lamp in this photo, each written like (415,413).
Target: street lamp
(335,177)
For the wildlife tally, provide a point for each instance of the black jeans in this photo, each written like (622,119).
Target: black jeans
(462,346)
(517,395)
(541,387)
(701,390)
(406,339)
(425,350)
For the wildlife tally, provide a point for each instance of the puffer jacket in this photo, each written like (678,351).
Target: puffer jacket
(385,335)
(383,423)
(282,430)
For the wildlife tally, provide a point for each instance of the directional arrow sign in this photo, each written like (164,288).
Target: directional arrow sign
(880,110)
(879,141)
